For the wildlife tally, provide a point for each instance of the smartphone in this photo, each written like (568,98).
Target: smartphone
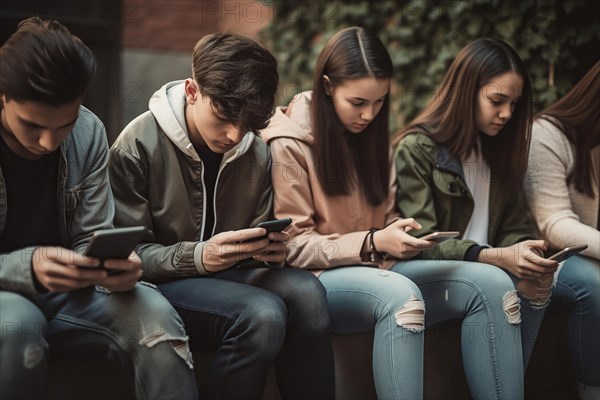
(277,225)
(114,244)
(439,237)
(567,252)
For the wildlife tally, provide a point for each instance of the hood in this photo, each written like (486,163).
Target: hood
(167,105)
(292,121)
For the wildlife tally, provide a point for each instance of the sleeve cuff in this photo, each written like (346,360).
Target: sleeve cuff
(472,253)
(198,259)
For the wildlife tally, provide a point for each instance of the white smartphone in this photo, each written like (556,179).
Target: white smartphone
(440,236)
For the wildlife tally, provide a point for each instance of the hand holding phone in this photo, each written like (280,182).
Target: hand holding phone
(277,225)
(567,252)
(439,237)
(114,244)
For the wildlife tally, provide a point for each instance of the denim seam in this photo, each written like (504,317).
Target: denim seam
(390,316)
(579,305)
(490,322)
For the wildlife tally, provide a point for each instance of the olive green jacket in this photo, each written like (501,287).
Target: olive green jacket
(432,190)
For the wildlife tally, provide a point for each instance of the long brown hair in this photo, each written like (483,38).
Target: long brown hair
(342,159)
(577,114)
(449,118)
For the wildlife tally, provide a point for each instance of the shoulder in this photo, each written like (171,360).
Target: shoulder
(88,133)
(143,128)
(258,151)
(417,144)
(547,136)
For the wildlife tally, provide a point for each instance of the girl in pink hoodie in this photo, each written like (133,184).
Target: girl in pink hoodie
(333,175)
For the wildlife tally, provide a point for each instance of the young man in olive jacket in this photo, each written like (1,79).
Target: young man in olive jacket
(194,172)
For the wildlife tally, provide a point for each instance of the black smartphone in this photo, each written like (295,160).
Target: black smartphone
(567,252)
(440,236)
(114,244)
(277,225)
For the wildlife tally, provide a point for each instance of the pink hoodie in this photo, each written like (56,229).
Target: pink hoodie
(326,231)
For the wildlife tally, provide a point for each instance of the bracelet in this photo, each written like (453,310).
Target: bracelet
(374,255)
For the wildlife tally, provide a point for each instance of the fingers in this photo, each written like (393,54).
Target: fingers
(239,235)
(274,252)
(407,223)
(121,282)
(60,278)
(540,261)
(124,265)
(279,236)
(60,255)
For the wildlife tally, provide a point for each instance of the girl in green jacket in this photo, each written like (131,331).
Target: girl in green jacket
(460,167)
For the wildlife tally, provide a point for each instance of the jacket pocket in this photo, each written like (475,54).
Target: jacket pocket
(448,184)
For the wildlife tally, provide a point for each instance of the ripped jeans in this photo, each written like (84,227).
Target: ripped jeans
(498,328)
(362,299)
(138,328)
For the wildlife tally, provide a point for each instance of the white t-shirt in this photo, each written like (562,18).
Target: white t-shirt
(477,177)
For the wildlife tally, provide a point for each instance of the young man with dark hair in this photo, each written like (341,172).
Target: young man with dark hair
(54,193)
(193,171)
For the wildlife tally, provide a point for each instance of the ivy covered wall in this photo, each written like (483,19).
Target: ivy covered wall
(558,40)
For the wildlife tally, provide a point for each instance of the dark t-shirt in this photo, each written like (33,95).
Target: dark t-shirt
(212,162)
(32,200)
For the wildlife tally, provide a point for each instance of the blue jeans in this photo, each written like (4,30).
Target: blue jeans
(363,299)
(484,298)
(254,319)
(139,328)
(578,291)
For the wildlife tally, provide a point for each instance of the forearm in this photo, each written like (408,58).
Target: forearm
(314,251)
(16,273)
(177,261)
(569,231)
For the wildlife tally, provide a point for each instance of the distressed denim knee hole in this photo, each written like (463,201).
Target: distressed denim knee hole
(180,344)
(411,316)
(511,303)
(33,355)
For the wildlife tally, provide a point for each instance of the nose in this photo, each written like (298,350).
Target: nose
(506,112)
(367,114)
(49,140)
(234,134)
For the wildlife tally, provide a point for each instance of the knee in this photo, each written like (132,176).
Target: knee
(22,331)
(405,301)
(411,315)
(303,294)
(262,322)
(490,283)
(151,321)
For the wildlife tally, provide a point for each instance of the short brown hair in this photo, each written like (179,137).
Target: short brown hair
(239,76)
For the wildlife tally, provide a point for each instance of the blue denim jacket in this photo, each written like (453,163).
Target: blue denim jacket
(85,200)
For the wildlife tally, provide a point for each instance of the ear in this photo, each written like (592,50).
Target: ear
(327,87)
(191,91)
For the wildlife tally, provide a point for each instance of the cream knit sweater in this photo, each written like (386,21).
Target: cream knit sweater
(564,216)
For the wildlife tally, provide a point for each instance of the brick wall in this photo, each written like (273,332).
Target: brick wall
(177,25)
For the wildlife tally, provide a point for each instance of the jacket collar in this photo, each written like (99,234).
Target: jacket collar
(446,162)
